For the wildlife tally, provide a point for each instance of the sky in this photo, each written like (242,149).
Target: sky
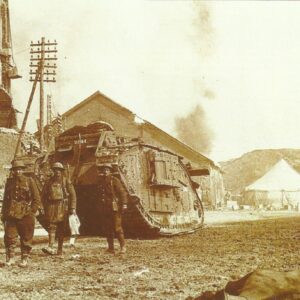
(236,60)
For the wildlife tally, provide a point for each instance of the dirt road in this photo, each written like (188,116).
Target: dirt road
(168,268)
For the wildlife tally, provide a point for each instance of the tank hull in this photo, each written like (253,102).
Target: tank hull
(137,222)
(162,199)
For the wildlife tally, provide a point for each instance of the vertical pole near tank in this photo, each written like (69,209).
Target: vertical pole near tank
(49,109)
(46,68)
(22,131)
(42,94)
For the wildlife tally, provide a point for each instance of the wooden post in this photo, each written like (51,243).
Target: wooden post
(27,113)
(42,94)
(46,68)
(49,109)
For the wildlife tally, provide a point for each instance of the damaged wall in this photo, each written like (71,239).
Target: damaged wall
(8,141)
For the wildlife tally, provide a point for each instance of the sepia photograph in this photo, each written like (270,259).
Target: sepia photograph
(149,149)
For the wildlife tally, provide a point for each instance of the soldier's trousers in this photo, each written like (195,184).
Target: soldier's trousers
(112,224)
(24,228)
(58,229)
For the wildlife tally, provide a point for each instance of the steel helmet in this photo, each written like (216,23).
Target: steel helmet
(58,165)
(17,164)
(102,166)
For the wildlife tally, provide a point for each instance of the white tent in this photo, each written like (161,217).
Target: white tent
(279,187)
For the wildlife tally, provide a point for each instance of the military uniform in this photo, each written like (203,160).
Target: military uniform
(59,199)
(20,203)
(111,199)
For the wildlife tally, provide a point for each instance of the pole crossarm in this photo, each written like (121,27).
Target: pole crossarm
(46,51)
(45,80)
(46,73)
(45,66)
(46,58)
(40,44)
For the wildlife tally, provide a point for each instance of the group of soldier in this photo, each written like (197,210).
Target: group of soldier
(56,202)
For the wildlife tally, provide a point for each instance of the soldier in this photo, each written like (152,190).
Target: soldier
(59,200)
(20,203)
(112,202)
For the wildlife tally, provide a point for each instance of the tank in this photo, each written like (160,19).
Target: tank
(162,197)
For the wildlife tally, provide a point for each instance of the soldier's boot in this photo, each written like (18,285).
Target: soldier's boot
(121,240)
(10,257)
(71,242)
(50,249)
(60,246)
(111,248)
(24,261)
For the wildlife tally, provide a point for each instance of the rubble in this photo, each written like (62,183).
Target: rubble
(8,130)
(8,142)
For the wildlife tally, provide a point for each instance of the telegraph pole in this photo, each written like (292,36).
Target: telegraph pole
(49,109)
(43,54)
(22,131)
(42,61)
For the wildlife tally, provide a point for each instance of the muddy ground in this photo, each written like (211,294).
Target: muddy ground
(167,268)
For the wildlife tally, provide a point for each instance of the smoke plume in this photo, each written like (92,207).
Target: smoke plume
(204,31)
(194,130)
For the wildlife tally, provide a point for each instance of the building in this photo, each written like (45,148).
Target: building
(8,71)
(99,107)
(8,142)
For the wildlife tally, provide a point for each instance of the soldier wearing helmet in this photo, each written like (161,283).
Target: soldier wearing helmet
(111,202)
(20,203)
(59,200)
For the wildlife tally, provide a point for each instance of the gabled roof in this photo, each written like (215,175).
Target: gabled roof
(116,106)
(106,100)
(281,177)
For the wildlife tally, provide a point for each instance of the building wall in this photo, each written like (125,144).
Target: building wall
(95,110)
(124,124)
(8,143)
(217,188)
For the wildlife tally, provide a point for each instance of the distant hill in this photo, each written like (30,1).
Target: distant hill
(242,171)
